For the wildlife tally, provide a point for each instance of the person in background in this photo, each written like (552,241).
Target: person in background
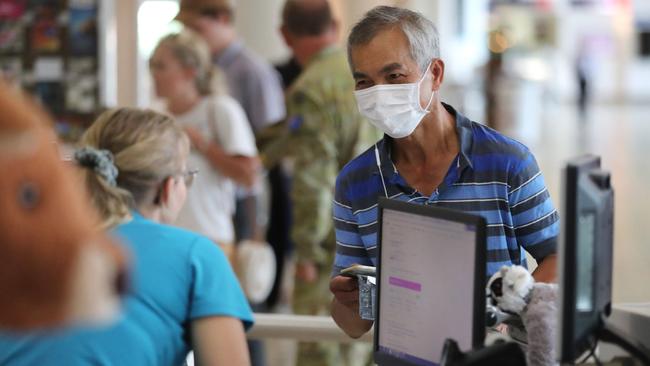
(432,155)
(324,131)
(493,80)
(254,83)
(183,294)
(223,146)
(584,69)
(251,80)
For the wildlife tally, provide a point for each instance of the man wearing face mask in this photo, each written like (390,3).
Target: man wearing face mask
(430,154)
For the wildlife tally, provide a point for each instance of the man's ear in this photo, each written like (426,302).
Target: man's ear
(286,35)
(438,71)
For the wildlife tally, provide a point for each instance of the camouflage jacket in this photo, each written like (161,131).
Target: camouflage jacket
(323,131)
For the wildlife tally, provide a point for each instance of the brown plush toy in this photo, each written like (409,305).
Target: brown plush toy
(56,267)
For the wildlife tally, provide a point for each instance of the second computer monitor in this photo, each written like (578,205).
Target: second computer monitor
(585,255)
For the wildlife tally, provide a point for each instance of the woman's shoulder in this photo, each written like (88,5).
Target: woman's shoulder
(140,229)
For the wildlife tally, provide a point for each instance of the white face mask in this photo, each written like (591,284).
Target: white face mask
(393,108)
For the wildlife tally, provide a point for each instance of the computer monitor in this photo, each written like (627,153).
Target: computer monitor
(585,255)
(430,282)
(586,251)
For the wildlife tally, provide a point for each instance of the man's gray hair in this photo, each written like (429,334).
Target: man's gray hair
(420,32)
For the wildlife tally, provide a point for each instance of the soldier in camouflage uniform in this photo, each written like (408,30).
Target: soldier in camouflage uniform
(324,131)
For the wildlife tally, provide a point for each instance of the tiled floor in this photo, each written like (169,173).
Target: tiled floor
(621,135)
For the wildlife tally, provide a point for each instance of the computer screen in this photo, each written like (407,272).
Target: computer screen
(585,255)
(431,282)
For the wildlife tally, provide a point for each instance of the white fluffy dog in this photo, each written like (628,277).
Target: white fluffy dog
(514,290)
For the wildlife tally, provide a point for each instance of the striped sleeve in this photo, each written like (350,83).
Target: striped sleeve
(535,220)
(349,246)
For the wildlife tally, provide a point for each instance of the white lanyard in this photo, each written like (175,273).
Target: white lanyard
(383,183)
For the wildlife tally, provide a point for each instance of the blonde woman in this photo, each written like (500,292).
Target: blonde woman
(222,140)
(183,292)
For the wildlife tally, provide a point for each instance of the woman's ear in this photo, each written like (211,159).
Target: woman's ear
(166,191)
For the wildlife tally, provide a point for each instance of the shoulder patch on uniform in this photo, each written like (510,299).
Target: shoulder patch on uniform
(295,122)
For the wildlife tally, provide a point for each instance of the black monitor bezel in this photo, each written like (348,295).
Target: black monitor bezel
(571,344)
(480,266)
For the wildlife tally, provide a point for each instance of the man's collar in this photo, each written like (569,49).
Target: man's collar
(465,140)
(465,136)
(229,54)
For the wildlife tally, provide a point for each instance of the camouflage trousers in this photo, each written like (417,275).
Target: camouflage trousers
(315,299)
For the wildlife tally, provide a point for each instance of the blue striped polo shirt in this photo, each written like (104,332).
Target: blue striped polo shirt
(493,176)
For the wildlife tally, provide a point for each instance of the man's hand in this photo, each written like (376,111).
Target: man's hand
(346,292)
(345,306)
(306,271)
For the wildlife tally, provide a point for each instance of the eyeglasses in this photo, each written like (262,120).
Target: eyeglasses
(189,175)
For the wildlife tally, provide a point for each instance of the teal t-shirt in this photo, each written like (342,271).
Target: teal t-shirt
(176,276)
